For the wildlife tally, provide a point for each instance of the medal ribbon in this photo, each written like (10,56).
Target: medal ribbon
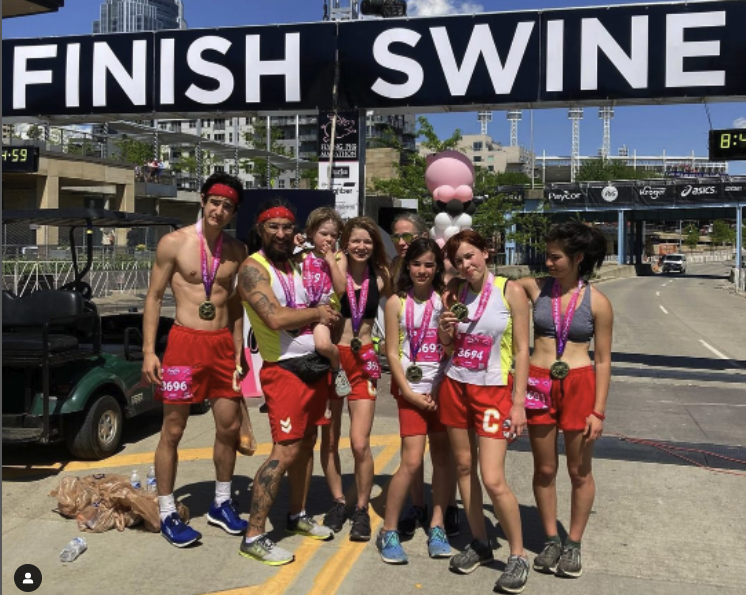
(562,324)
(484,298)
(208,277)
(414,349)
(288,286)
(357,308)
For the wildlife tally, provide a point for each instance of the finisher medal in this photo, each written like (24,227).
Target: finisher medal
(414,373)
(207,310)
(356,344)
(357,307)
(460,311)
(559,370)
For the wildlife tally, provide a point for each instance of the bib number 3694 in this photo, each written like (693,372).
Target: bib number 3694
(472,351)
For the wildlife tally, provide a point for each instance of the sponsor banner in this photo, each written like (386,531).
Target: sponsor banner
(565,197)
(514,195)
(698,193)
(655,193)
(631,54)
(734,191)
(346,187)
(346,136)
(610,195)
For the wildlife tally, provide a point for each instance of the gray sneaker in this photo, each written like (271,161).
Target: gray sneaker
(515,577)
(308,527)
(341,384)
(474,556)
(265,551)
(569,563)
(548,559)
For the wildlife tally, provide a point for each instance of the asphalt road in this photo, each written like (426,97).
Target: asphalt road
(666,521)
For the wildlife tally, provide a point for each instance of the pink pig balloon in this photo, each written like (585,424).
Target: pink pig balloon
(450,175)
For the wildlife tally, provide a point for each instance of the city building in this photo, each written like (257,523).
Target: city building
(127,16)
(487,153)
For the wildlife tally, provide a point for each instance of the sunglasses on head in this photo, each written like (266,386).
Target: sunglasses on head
(407,237)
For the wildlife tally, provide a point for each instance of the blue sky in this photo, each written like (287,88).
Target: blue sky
(678,130)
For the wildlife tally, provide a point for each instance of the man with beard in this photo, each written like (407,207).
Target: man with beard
(271,286)
(204,352)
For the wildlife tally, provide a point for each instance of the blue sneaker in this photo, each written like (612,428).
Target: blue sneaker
(226,517)
(437,544)
(177,532)
(390,547)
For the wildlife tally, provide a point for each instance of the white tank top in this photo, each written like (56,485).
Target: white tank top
(496,323)
(432,372)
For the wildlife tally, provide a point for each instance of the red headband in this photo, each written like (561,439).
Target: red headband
(224,191)
(276,213)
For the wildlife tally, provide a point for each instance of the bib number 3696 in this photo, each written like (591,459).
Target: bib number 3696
(177,384)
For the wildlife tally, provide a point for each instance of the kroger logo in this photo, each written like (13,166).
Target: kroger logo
(610,193)
(652,192)
(563,196)
(733,188)
(698,190)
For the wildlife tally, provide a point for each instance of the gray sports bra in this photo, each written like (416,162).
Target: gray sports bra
(581,328)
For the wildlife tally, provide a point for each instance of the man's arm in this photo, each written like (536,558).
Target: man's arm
(163,269)
(256,290)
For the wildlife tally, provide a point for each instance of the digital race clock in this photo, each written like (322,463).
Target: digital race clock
(728,145)
(20,159)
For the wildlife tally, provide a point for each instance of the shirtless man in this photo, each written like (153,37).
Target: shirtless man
(204,353)
(271,286)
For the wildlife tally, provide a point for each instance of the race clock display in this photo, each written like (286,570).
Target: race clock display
(728,145)
(20,159)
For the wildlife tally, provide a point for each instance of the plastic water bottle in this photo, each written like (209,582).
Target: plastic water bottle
(73,549)
(135,480)
(150,483)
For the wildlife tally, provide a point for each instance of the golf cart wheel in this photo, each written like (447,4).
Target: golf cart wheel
(97,435)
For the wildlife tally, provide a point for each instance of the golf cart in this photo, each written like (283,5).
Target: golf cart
(69,373)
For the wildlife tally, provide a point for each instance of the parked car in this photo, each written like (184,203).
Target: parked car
(70,374)
(674,263)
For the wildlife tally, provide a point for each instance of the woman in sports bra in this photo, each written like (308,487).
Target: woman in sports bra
(416,359)
(367,273)
(567,391)
(485,328)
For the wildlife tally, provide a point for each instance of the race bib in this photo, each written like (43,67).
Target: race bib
(372,366)
(538,394)
(472,351)
(177,384)
(431,351)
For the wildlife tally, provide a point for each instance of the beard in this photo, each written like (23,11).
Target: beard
(279,252)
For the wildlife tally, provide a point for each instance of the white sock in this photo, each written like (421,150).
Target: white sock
(166,506)
(253,539)
(222,492)
(295,517)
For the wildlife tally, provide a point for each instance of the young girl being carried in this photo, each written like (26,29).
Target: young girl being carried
(416,359)
(324,283)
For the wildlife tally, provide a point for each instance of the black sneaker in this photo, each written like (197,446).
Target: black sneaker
(474,556)
(360,525)
(549,557)
(452,525)
(515,577)
(336,518)
(569,563)
(416,517)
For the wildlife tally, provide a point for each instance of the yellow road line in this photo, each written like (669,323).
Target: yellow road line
(330,577)
(278,584)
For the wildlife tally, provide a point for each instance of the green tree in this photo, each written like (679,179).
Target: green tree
(134,151)
(34,132)
(495,214)
(691,239)
(188,163)
(722,233)
(600,170)
(531,229)
(257,139)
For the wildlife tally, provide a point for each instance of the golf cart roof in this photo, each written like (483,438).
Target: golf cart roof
(82,217)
